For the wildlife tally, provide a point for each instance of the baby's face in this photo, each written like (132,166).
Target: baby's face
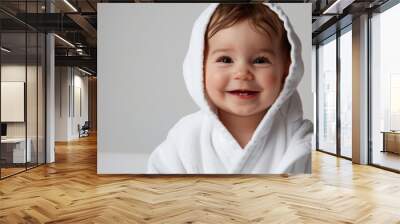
(244,69)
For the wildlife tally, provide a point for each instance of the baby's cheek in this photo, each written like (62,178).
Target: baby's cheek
(217,81)
(271,81)
(214,86)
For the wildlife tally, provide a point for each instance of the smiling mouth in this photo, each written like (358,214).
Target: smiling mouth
(244,93)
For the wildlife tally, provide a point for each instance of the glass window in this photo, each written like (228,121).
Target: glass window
(385,87)
(346,94)
(327,96)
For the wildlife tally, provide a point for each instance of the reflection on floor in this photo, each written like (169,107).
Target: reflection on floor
(387,159)
(347,152)
(10,169)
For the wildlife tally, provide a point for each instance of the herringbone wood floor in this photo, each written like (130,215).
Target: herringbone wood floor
(70,191)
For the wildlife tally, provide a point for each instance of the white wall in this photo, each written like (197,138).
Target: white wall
(18,73)
(15,73)
(61,103)
(67,80)
(302,25)
(314,92)
(80,83)
(141,92)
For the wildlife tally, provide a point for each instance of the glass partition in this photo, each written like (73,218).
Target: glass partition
(41,87)
(22,77)
(32,95)
(13,109)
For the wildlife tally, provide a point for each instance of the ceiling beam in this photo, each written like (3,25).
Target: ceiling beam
(84,61)
(86,26)
(337,7)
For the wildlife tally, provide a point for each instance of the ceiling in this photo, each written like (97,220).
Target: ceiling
(76,22)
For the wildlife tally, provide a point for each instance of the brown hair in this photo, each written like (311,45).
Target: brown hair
(259,15)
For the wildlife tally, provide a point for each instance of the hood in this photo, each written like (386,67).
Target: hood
(193,68)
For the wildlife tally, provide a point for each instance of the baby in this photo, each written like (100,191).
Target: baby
(242,69)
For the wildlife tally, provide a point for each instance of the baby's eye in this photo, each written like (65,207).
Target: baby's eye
(261,60)
(224,59)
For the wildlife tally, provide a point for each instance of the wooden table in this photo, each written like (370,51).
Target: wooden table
(391,141)
(13,150)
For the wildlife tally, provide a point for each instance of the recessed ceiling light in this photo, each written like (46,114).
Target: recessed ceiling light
(64,40)
(70,5)
(84,71)
(5,50)
(338,6)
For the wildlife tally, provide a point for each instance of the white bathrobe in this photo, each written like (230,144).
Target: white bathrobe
(200,144)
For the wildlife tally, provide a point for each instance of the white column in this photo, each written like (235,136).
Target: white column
(50,92)
(50,100)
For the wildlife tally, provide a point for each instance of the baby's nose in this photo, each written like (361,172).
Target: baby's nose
(244,74)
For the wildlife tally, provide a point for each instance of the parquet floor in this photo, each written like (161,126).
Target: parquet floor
(10,171)
(70,191)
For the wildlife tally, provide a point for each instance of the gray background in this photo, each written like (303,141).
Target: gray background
(141,92)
